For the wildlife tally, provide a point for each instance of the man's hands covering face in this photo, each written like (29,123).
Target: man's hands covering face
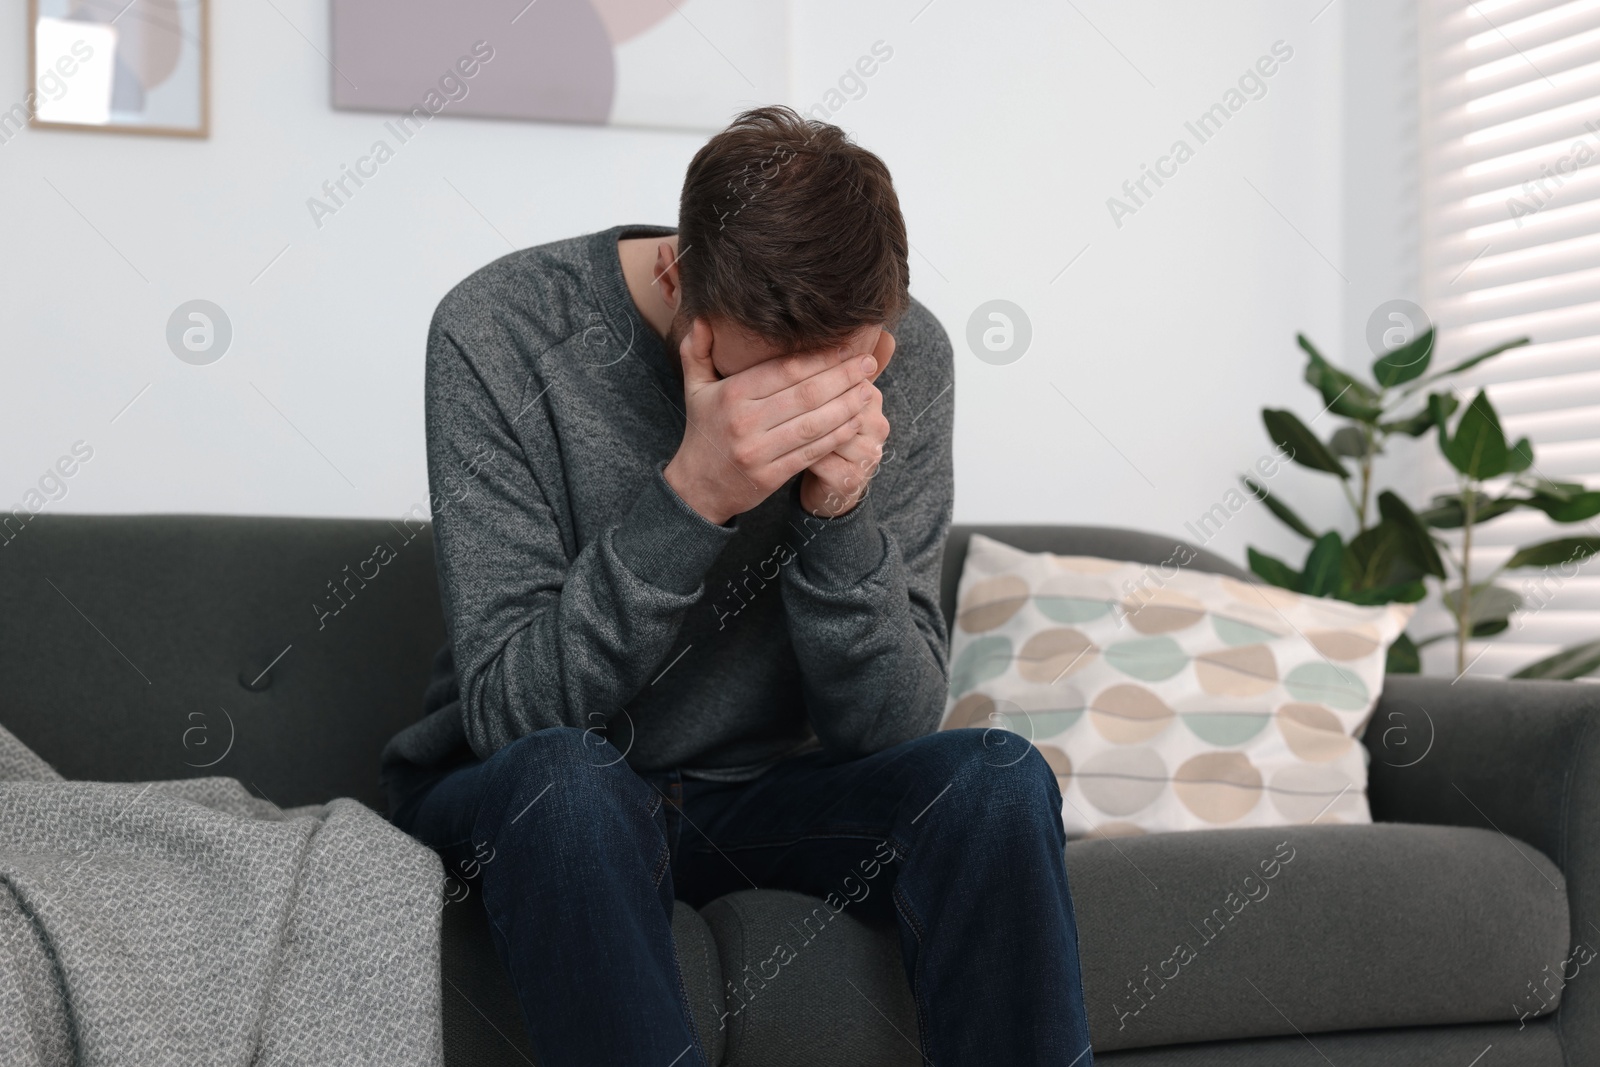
(835,483)
(750,432)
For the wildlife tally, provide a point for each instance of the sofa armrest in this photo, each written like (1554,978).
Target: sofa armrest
(1520,757)
(1516,756)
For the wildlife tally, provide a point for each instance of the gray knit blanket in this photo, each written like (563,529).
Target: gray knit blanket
(165,924)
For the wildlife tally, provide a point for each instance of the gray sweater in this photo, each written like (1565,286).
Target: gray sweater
(579,590)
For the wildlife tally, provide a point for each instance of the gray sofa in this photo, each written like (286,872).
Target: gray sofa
(1459,929)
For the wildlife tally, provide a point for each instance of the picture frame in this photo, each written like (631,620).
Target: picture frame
(593,62)
(120,66)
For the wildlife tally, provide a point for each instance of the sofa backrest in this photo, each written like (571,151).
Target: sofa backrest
(177,646)
(281,652)
(1108,542)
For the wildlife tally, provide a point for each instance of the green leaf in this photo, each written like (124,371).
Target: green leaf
(1489,602)
(1403,593)
(1473,361)
(1403,657)
(1520,457)
(1348,441)
(1439,411)
(1560,490)
(1574,662)
(1408,361)
(1341,394)
(1490,627)
(1324,569)
(1447,513)
(1415,540)
(1573,508)
(1377,557)
(1273,571)
(1281,510)
(1561,550)
(1423,421)
(1294,437)
(1478,448)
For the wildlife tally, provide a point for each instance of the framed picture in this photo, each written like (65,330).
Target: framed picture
(675,64)
(120,66)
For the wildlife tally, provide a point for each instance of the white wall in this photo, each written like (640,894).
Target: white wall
(1007,125)
(1382,198)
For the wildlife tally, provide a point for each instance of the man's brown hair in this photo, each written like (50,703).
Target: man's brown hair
(788,229)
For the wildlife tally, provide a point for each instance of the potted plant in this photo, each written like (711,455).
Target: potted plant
(1394,548)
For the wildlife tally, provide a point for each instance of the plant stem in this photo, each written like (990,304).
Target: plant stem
(1366,477)
(1469,501)
(1350,498)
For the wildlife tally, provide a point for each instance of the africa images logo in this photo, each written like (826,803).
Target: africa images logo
(199,332)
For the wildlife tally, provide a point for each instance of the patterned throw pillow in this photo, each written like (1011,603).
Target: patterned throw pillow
(1167,699)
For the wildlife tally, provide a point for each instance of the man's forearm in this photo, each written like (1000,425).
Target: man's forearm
(578,639)
(870,652)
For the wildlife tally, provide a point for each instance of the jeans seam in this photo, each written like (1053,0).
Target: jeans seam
(903,906)
(494,924)
(661,866)
(1072,924)
(683,994)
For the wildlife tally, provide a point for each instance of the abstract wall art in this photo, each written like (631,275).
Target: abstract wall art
(687,64)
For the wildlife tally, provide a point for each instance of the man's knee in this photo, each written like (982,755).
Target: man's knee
(952,753)
(558,774)
(996,776)
(572,813)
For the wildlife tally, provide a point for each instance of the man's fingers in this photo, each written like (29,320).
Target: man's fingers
(838,473)
(695,352)
(863,451)
(858,459)
(813,425)
(781,372)
(787,466)
(815,391)
(838,485)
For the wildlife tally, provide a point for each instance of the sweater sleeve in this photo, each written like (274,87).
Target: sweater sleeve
(544,636)
(862,601)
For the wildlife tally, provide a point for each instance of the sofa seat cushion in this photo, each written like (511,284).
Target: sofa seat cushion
(1212,935)
(805,986)
(1191,937)
(1536,1045)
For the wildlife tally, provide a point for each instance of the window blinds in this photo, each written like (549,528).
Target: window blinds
(1510,245)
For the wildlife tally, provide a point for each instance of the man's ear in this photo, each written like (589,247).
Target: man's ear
(883,352)
(667,280)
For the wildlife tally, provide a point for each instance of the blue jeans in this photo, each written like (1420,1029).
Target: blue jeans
(579,859)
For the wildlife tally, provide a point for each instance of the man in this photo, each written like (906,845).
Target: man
(689,523)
